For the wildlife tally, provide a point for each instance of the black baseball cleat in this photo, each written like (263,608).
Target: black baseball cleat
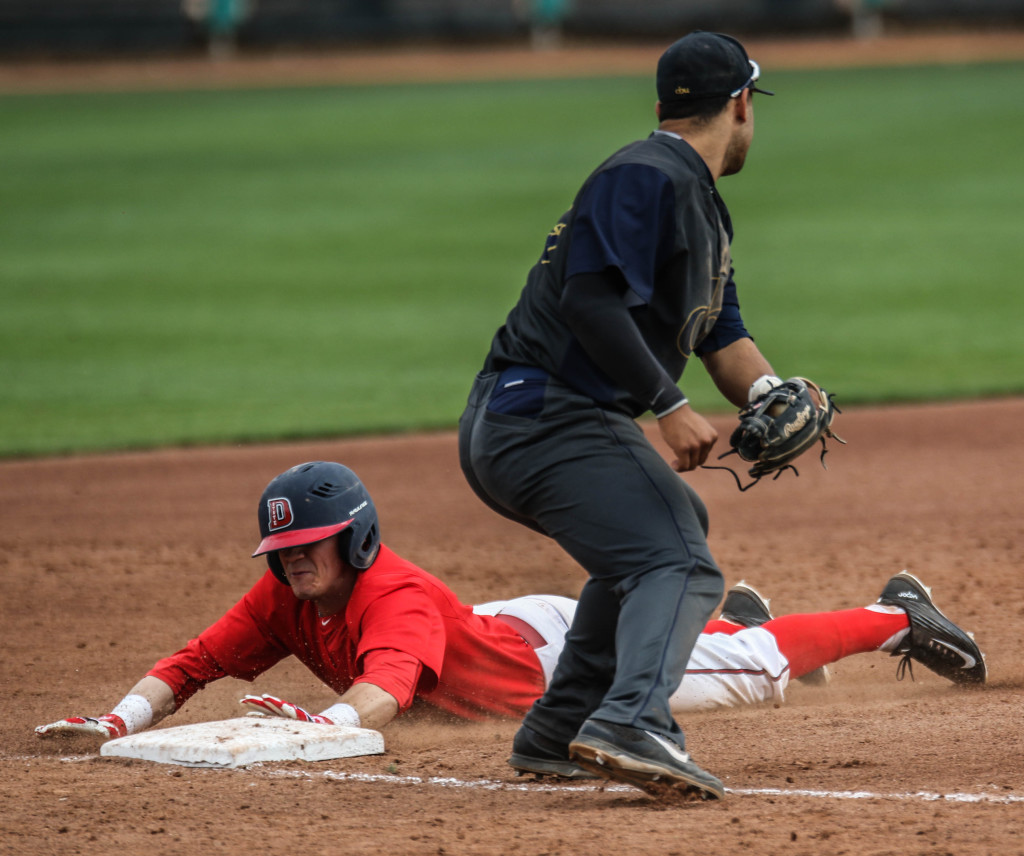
(652,762)
(746,606)
(535,754)
(934,641)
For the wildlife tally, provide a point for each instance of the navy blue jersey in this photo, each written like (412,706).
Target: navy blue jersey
(651,216)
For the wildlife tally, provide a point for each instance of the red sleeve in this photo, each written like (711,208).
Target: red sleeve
(401,635)
(187,671)
(240,644)
(396,672)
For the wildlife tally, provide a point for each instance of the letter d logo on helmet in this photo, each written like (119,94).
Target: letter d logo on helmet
(314,501)
(279,513)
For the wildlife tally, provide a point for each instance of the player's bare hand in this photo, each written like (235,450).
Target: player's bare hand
(690,437)
(103,727)
(274,706)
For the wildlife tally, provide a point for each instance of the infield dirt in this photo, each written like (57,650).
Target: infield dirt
(113,561)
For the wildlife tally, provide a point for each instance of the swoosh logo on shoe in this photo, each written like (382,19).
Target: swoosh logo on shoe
(670,747)
(969,661)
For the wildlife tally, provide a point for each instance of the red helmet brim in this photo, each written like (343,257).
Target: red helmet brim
(298,537)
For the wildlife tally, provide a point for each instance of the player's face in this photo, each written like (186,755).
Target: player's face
(315,572)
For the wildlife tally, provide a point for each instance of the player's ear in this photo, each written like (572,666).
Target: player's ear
(657,109)
(742,106)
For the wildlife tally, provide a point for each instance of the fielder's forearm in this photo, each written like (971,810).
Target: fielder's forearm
(594,308)
(735,367)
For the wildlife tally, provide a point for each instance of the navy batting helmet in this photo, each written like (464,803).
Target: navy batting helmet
(311,502)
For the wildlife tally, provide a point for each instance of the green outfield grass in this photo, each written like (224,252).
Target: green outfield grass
(237,266)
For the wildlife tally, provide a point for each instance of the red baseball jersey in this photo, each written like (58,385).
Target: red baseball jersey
(403,630)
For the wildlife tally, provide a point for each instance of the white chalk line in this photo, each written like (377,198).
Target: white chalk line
(542,786)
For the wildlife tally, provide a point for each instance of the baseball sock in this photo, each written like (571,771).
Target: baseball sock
(816,639)
(719,625)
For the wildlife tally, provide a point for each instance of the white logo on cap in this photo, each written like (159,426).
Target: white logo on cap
(279,513)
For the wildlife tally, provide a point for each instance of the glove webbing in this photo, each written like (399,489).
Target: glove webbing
(783,468)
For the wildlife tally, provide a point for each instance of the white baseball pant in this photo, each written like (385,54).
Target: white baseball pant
(724,670)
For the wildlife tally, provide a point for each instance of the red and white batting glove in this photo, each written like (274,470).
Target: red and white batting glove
(277,707)
(107,726)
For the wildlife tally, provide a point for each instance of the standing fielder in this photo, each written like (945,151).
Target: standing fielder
(634,279)
(382,632)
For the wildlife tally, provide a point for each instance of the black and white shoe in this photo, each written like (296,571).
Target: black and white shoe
(746,606)
(535,754)
(652,762)
(933,640)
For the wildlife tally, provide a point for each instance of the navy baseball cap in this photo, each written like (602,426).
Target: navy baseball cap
(706,65)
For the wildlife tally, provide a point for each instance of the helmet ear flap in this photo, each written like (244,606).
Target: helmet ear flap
(276,568)
(359,548)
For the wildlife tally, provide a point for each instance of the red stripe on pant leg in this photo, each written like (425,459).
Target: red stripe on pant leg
(818,638)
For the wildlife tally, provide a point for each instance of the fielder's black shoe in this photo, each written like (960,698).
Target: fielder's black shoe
(746,606)
(933,640)
(646,760)
(534,753)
